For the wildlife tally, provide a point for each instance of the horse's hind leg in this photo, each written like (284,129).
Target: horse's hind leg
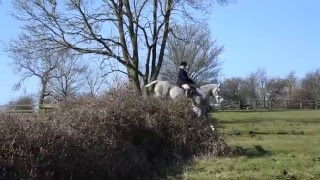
(157,93)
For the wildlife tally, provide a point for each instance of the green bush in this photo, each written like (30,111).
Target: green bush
(121,135)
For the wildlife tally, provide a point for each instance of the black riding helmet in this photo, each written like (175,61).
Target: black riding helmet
(183,63)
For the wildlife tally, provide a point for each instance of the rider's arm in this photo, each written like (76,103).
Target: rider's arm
(188,79)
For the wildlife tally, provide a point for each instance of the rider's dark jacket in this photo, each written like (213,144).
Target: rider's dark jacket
(183,78)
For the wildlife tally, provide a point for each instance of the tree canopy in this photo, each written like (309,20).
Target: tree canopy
(134,33)
(194,45)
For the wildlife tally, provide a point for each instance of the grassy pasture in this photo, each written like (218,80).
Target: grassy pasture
(272,145)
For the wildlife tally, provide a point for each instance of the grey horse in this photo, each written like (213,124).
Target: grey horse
(165,89)
(200,101)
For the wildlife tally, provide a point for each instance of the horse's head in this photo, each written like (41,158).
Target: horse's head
(211,90)
(216,93)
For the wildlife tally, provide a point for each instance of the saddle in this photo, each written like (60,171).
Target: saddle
(191,92)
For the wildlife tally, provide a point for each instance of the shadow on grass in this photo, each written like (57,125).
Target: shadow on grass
(176,171)
(254,151)
(260,110)
(292,132)
(219,123)
(305,121)
(244,121)
(254,133)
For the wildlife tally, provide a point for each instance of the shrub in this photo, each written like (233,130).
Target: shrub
(122,135)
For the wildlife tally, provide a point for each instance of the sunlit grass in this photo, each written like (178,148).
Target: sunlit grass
(276,145)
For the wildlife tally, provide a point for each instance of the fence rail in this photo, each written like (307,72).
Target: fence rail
(286,104)
(28,108)
(303,104)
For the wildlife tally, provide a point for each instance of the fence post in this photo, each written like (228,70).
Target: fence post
(300,104)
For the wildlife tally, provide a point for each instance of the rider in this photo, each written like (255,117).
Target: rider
(183,80)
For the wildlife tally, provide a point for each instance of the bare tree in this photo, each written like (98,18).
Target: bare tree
(252,84)
(255,84)
(311,86)
(194,45)
(261,80)
(30,63)
(94,82)
(292,80)
(137,29)
(275,88)
(230,89)
(69,78)
(237,89)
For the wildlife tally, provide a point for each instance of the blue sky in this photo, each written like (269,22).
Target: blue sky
(278,36)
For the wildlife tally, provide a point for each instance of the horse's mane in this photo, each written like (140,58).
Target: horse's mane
(209,86)
(206,89)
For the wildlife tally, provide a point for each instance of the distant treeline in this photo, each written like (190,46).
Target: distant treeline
(262,91)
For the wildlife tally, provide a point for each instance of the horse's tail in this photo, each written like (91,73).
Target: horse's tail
(153,82)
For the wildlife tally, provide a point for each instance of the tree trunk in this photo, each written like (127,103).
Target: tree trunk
(134,79)
(43,92)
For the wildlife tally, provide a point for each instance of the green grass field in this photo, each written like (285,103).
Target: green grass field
(276,145)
